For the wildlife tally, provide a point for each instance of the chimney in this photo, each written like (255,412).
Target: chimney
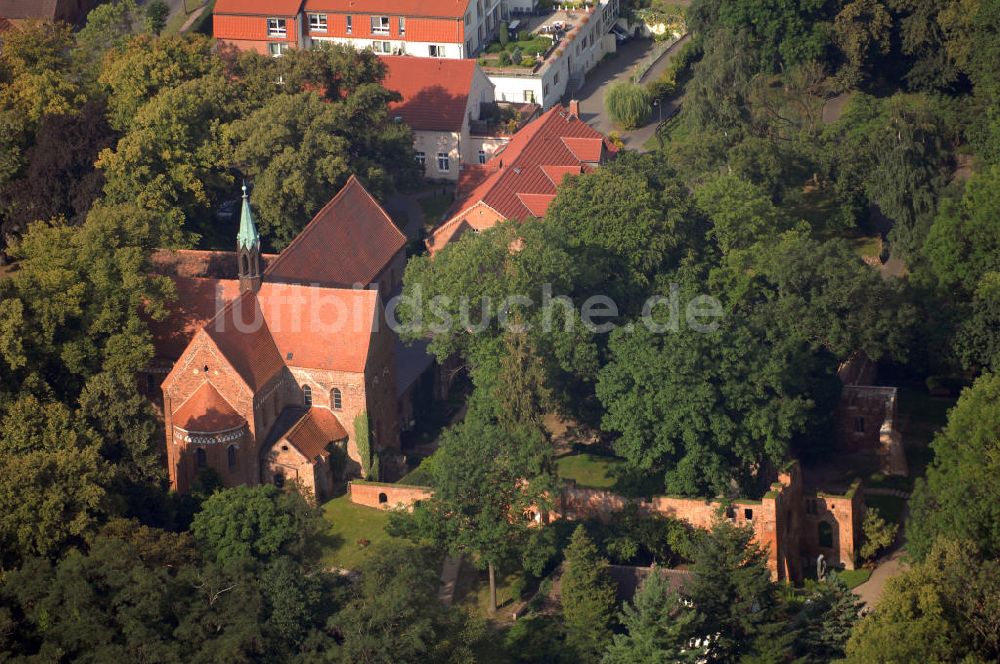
(574,107)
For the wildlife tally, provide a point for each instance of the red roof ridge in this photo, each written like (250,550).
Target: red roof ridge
(258,7)
(353,184)
(312,416)
(251,363)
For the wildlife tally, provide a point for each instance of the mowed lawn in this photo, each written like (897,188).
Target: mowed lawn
(589,470)
(350,523)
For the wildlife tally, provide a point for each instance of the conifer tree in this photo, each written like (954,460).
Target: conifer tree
(588,598)
(659,627)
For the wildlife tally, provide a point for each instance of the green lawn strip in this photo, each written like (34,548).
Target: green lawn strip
(853,578)
(472,590)
(350,523)
(589,470)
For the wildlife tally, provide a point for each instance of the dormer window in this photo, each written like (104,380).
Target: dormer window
(307,396)
(336,399)
(380,25)
(277,27)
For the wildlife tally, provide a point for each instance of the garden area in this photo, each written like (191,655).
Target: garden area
(520,52)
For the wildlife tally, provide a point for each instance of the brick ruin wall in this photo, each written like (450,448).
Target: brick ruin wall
(387,496)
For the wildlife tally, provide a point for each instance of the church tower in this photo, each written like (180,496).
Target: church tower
(248,249)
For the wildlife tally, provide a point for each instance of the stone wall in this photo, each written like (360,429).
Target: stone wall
(381,495)
(840,517)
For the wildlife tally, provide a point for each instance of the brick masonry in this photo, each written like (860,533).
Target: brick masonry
(782,520)
(386,496)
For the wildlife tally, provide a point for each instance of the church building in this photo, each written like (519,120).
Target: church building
(272,363)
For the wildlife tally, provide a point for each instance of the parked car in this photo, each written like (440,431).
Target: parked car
(620,35)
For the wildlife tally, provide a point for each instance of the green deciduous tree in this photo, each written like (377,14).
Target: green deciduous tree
(957,499)
(878,535)
(256,523)
(941,610)
(587,594)
(393,614)
(488,483)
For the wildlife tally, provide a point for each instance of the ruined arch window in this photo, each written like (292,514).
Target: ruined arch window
(307,395)
(200,460)
(748,514)
(231,456)
(382,499)
(279,480)
(825,532)
(336,399)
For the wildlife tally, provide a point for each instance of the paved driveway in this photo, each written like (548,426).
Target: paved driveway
(620,68)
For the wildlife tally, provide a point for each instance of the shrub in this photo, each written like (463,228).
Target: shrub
(157,12)
(495,47)
(628,104)
(504,35)
(504,59)
(516,56)
(878,534)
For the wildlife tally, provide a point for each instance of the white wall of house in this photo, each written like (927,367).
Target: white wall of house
(401,47)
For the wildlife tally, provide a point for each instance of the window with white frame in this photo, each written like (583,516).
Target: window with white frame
(382,46)
(482,156)
(277,27)
(421,159)
(350,24)
(529,96)
(277,50)
(317,22)
(380,25)
(444,163)
(435,51)
(402,25)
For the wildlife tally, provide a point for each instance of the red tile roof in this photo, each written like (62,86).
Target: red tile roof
(429,8)
(200,263)
(241,334)
(198,301)
(206,411)
(435,90)
(320,328)
(258,7)
(314,432)
(350,241)
(524,175)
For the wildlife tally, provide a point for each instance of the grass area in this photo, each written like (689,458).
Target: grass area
(472,590)
(434,206)
(866,245)
(879,480)
(854,577)
(419,476)
(589,470)
(177,20)
(890,507)
(348,524)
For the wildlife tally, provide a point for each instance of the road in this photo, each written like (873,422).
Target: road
(619,68)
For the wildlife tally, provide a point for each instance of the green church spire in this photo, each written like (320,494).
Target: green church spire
(248,238)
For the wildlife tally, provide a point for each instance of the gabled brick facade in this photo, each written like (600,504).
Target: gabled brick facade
(276,372)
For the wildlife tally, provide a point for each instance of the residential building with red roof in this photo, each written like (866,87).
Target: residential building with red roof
(427,28)
(442,101)
(270,27)
(521,179)
(424,28)
(272,363)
